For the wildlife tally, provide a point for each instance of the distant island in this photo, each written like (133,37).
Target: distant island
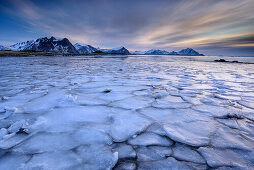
(62,46)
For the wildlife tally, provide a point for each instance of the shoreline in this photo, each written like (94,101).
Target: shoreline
(6,53)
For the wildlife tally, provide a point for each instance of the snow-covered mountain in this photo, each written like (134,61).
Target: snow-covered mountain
(118,50)
(51,44)
(84,48)
(173,53)
(64,46)
(189,51)
(2,48)
(21,46)
(156,52)
(138,52)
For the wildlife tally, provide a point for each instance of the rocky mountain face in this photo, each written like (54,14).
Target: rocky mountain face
(52,44)
(88,49)
(62,46)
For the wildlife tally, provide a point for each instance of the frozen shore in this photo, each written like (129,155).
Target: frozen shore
(151,112)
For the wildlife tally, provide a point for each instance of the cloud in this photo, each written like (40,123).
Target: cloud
(143,24)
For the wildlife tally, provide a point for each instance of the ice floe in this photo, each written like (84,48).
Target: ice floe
(83,112)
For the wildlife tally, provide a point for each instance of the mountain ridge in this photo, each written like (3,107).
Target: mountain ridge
(187,51)
(64,46)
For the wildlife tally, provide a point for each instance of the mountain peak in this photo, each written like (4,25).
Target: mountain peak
(2,47)
(117,50)
(156,52)
(64,46)
(84,48)
(80,44)
(51,44)
(189,51)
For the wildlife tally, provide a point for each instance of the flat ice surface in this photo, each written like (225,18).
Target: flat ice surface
(126,112)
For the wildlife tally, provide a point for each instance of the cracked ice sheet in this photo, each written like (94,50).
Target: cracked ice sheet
(83,111)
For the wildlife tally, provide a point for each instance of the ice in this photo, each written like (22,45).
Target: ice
(114,96)
(2,110)
(146,139)
(126,112)
(159,95)
(243,125)
(191,133)
(14,128)
(225,137)
(54,160)
(184,125)
(147,154)
(12,140)
(128,88)
(46,142)
(91,136)
(66,119)
(13,161)
(191,165)
(19,100)
(44,103)
(133,103)
(126,124)
(165,104)
(5,115)
(163,164)
(125,151)
(161,150)
(89,99)
(3,132)
(185,153)
(228,97)
(227,157)
(157,129)
(247,104)
(216,111)
(5,123)
(97,157)
(160,115)
(249,116)
(126,166)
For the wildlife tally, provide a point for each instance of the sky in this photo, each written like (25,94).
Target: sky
(212,27)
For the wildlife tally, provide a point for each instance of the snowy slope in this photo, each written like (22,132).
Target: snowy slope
(117,50)
(2,48)
(21,46)
(173,53)
(189,51)
(84,48)
(157,52)
(51,44)
(137,52)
